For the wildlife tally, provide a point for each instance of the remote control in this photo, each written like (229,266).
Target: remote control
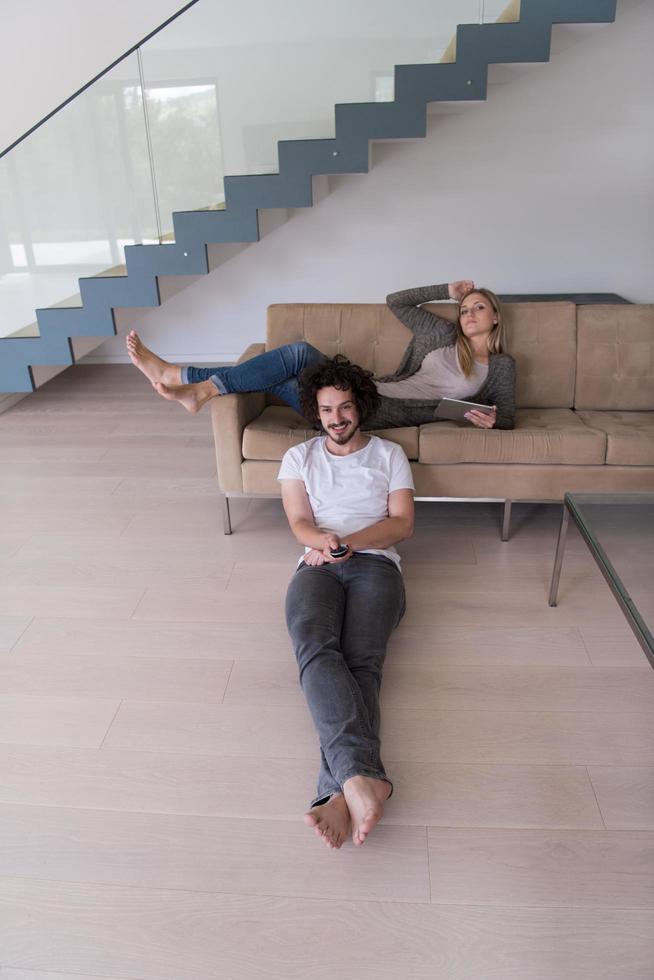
(340,552)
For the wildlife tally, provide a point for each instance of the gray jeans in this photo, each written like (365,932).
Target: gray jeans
(340,618)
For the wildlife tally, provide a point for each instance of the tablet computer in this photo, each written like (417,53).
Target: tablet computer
(455,409)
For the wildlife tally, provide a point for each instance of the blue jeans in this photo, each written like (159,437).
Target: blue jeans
(276,372)
(340,618)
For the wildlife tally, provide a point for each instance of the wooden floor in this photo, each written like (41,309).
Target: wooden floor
(156,754)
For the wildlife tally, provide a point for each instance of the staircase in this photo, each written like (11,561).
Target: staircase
(70,329)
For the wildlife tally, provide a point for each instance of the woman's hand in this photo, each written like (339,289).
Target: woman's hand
(457,290)
(482,420)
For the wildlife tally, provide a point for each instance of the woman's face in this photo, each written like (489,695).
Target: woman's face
(476,315)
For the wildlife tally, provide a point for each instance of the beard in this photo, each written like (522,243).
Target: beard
(342,439)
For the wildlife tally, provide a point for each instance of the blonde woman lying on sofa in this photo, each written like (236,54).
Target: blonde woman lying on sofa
(463,360)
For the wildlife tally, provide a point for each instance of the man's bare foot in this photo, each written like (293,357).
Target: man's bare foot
(330,820)
(191,397)
(365,798)
(152,366)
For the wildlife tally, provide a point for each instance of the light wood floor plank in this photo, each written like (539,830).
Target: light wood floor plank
(125,552)
(194,641)
(517,737)
(602,689)
(225,729)
(206,854)
(201,603)
(12,973)
(426,794)
(11,630)
(147,570)
(35,518)
(542,868)
(120,677)
(625,796)
(71,722)
(47,486)
(487,608)
(78,601)
(494,796)
(505,688)
(425,579)
(24,456)
(10,544)
(482,645)
(169,488)
(614,648)
(166,935)
(415,735)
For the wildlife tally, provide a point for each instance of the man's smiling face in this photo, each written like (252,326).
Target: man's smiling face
(338,414)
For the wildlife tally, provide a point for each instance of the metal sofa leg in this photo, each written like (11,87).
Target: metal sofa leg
(506,521)
(227,522)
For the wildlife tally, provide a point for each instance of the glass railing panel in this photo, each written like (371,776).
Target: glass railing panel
(257,72)
(185,141)
(72,195)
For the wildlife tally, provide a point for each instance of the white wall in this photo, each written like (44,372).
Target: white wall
(547,187)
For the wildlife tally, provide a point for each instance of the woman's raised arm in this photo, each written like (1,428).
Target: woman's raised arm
(406,305)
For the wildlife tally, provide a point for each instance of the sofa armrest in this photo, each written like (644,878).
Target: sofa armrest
(229,416)
(252,351)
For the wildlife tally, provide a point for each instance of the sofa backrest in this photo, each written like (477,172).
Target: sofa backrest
(615,358)
(540,336)
(367,333)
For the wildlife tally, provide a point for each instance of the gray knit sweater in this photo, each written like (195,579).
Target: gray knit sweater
(429,333)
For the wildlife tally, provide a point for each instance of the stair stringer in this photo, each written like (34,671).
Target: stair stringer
(477,47)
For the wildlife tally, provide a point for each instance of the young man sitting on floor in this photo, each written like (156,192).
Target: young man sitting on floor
(352,493)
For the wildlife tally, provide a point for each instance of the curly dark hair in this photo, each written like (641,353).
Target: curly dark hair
(338,372)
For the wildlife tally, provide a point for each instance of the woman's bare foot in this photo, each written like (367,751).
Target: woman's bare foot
(152,366)
(330,820)
(365,798)
(191,397)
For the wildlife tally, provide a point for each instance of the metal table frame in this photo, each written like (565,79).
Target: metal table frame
(613,580)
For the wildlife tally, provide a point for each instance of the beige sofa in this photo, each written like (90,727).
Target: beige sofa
(585,405)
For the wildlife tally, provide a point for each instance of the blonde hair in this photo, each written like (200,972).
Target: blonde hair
(495,337)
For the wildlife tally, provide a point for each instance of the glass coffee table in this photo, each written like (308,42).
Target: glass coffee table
(618,529)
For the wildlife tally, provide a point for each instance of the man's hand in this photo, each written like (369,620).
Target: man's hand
(315,557)
(481,419)
(333,543)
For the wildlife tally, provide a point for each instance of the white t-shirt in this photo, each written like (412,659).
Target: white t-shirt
(349,493)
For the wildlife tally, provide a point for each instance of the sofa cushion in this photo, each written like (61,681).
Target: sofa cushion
(615,358)
(630,436)
(367,333)
(549,435)
(279,427)
(542,339)
(273,432)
